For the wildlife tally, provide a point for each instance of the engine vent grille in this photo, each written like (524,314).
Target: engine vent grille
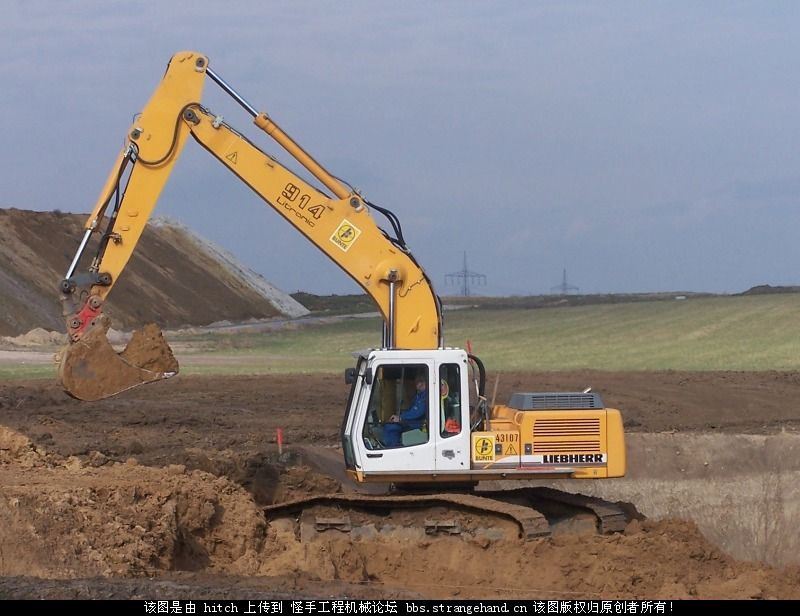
(556,401)
(566,427)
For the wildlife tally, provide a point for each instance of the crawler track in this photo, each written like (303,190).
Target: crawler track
(558,506)
(536,512)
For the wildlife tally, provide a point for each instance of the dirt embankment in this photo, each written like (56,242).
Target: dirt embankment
(67,518)
(173,279)
(167,482)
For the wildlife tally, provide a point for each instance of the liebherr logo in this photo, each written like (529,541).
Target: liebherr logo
(577,458)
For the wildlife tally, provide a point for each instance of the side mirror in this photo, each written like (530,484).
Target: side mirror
(350,376)
(368,376)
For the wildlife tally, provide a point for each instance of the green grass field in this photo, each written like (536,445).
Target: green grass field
(721,333)
(724,333)
(759,332)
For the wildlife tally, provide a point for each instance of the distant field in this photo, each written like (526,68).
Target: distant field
(732,333)
(758,332)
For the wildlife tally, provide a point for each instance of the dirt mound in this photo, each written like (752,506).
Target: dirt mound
(296,482)
(147,349)
(68,518)
(765,289)
(73,504)
(173,278)
(191,243)
(668,559)
(37,337)
(68,521)
(16,448)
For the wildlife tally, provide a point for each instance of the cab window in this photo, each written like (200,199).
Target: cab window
(398,413)
(449,400)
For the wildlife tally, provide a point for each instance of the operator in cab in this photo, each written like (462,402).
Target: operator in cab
(410,419)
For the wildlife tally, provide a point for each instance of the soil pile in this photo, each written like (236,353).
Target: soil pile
(81,517)
(174,278)
(168,481)
(147,349)
(91,369)
(67,518)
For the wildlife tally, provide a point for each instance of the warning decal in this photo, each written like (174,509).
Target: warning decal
(507,443)
(345,235)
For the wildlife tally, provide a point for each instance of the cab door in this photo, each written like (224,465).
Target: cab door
(451,428)
(384,444)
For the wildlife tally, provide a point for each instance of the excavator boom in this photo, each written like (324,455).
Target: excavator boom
(339,224)
(448,438)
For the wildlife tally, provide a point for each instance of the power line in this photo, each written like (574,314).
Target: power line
(564,288)
(464,277)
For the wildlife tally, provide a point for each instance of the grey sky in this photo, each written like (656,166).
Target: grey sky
(642,146)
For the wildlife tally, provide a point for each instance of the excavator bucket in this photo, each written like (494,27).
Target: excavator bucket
(90,369)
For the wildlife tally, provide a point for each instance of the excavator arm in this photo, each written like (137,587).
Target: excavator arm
(340,225)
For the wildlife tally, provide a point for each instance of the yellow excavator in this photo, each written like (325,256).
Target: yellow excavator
(450,435)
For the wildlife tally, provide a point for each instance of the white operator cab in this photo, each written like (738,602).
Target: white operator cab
(426,444)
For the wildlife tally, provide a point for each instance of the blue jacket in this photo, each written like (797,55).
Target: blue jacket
(416,414)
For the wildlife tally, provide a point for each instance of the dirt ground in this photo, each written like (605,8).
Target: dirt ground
(158,493)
